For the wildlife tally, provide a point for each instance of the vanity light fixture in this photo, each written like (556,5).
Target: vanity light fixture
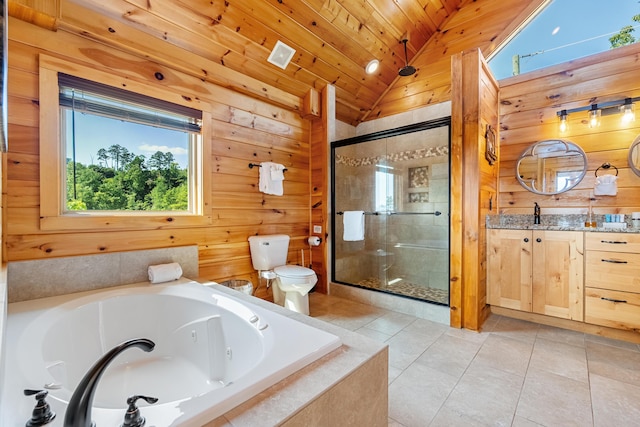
(563,120)
(628,113)
(625,107)
(372,66)
(594,116)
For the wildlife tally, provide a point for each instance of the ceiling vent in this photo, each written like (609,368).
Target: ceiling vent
(281,55)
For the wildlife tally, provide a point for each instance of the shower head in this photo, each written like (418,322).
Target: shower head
(407,70)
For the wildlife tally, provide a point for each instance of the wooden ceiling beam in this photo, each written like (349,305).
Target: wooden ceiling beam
(33,16)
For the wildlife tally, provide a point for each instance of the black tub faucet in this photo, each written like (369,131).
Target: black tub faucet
(536,213)
(79,409)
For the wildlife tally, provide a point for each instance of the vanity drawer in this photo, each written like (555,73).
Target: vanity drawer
(611,308)
(616,242)
(613,270)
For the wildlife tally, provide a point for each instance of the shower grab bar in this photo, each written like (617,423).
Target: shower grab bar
(364,213)
(436,213)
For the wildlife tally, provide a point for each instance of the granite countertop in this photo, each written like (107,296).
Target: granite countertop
(555,222)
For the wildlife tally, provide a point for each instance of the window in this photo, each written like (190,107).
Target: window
(116,158)
(124,151)
(564,30)
(384,189)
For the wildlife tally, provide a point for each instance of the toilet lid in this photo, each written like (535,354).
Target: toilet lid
(293,271)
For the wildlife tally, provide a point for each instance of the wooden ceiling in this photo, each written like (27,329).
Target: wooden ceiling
(333,39)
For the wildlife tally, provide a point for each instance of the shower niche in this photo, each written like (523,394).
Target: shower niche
(399,179)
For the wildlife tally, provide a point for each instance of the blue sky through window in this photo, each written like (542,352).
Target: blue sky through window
(99,132)
(565,30)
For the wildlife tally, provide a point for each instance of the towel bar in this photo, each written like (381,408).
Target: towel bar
(252,165)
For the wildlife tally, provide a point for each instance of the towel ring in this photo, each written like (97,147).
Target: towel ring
(606,165)
(252,165)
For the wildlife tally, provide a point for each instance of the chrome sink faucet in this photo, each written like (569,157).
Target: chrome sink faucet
(536,213)
(79,409)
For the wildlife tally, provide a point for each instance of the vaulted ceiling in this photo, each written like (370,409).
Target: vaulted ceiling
(333,42)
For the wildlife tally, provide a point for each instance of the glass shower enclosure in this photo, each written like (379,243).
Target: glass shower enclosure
(394,184)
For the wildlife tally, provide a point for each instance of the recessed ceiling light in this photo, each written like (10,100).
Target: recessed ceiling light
(372,66)
(281,55)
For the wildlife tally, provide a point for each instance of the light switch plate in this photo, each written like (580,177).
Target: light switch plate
(317,229)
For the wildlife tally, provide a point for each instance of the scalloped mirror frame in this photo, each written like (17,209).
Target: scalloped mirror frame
(536,148)
(634,158)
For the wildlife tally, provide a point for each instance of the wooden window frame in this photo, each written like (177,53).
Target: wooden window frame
(53,214)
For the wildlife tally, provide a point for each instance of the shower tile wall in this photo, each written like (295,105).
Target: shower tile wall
(421,242)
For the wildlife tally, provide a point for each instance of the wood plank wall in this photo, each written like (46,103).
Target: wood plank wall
(322,130)
(528,108)
(475,99)
(245,130)
(482,24)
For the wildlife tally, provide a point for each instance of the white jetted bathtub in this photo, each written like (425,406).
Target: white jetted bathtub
(212,352)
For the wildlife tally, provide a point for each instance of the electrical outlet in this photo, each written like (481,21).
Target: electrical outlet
(317,229)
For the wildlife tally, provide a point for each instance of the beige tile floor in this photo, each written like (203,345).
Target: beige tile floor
(514,373)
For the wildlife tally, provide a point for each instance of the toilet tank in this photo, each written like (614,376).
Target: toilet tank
(268,252)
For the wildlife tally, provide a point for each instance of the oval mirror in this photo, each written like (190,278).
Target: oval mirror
(634,156)
(551,167)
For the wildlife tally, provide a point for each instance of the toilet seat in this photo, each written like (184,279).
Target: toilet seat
(293,271)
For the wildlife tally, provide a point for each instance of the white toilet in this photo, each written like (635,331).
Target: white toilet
(292,282)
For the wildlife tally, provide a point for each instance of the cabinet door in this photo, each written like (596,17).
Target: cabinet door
(509,269)
(558,279)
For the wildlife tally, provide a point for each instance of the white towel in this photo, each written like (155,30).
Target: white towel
(606,185)
(353,222)
(277,172)
(164,272)
(267,184)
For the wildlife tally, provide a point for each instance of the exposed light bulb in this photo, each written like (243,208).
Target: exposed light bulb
(628,113)
(563,121)
(563,125)
(594,116)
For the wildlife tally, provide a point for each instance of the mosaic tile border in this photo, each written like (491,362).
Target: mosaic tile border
(421,153)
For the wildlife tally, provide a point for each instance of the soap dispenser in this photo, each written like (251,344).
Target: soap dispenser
(590,223)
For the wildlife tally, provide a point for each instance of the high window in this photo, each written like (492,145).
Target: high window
(564,30)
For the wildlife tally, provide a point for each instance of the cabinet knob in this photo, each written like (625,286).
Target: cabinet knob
(526,239)
(538,240)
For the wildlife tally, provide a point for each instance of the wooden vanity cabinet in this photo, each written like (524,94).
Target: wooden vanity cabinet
(509,268)
(612,280)
(539,271)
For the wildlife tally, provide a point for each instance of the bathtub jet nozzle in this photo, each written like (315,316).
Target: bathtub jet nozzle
(79,409)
